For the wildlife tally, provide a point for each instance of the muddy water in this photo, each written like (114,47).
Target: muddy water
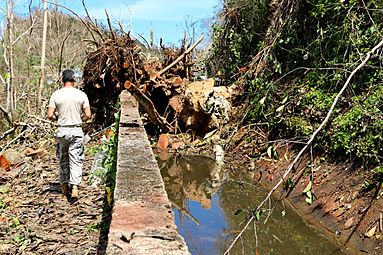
(210,208)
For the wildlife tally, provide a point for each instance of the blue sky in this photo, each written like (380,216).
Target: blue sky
(168,18)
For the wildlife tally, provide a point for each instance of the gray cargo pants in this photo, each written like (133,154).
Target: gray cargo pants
(70,153)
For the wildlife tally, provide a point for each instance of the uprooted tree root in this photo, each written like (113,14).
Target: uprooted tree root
(119,62)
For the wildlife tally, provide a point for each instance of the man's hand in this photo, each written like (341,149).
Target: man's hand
(51,113)
(87,114)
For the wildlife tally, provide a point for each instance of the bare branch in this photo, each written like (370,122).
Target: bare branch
(146,42)
(148,106)
(180,57)
(110,26)
(86,24)
(44,120)
(25,32)
(6,115)
(17,138)
(308,144)
(6,133)
(95,28)
(62,50)
(2,80)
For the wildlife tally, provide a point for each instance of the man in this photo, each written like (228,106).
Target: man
(72,108)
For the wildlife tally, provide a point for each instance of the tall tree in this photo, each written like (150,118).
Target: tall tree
(43,50)
(9,61)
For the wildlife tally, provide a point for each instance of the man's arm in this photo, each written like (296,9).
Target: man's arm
(87,114)
(51,113)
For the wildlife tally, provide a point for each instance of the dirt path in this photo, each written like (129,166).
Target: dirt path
(36,219)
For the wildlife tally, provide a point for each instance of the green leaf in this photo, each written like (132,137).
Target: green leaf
(288,184)
(309,198)
(285,100)
(15,222)
(308,187)
(280,108)
(109,193)
(93,227)
(258,215)
(262,101)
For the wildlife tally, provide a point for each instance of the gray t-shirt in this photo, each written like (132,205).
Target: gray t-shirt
(69,103)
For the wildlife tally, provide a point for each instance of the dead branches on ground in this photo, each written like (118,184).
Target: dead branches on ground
(149,107)
(118,64)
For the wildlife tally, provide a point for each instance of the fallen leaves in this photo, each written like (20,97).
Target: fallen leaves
(371,232)
(109,193)
(163,141)
(36,219)
(4,189)
(349,223)
(4,163)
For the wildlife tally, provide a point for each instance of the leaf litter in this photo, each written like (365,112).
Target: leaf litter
(35,218)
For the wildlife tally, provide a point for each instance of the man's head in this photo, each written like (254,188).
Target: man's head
(68,76)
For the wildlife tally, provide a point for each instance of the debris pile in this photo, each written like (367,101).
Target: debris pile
(160,84)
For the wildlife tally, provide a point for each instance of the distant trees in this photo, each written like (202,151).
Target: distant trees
(32,61)
(43,49)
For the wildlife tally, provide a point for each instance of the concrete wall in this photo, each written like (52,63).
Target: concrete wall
(142,219)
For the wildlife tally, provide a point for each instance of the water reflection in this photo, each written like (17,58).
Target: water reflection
(210,208)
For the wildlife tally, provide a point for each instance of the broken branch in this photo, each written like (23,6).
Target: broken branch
(26,31)
(16,138)
(43,120)
(6,115)
(110,26)
(6,133)
(180,57)
(148,105)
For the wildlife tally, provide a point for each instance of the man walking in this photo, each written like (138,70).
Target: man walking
(72,108)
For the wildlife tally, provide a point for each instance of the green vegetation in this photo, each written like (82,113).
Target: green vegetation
(236,35)
(110,161)
(313,50)
(107,149)
(66,48)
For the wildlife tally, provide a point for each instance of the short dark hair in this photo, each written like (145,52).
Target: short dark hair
(68,76)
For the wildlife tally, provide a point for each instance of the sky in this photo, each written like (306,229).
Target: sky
(168,18)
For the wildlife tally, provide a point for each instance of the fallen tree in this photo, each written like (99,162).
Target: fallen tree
(160,84)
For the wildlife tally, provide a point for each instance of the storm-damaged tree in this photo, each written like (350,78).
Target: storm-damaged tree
(7,44)
(42,64)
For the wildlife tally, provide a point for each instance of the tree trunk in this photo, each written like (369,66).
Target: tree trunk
(6,111)
(10,71)
(43,49)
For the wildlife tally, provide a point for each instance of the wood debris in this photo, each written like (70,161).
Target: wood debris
(158,83)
